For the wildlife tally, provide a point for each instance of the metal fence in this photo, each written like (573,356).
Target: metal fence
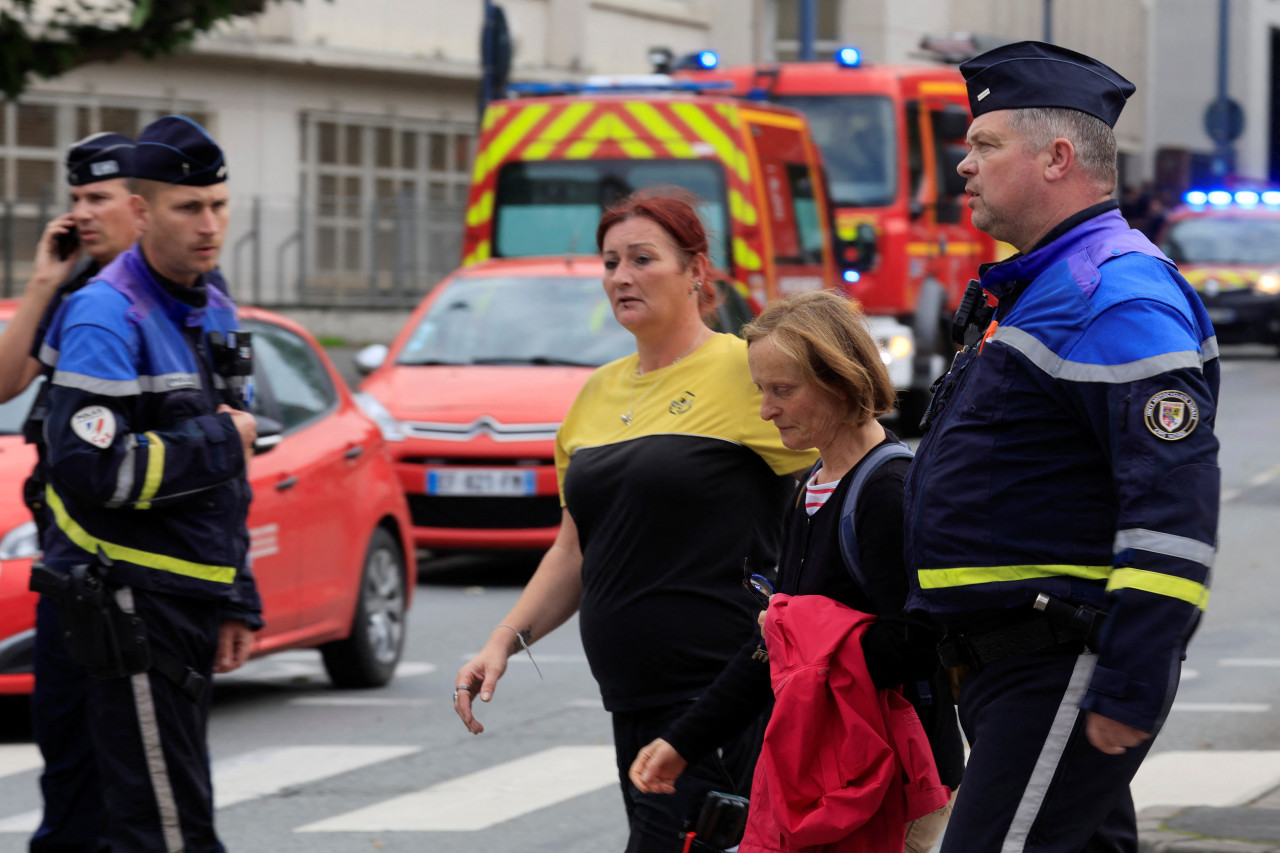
(342,252)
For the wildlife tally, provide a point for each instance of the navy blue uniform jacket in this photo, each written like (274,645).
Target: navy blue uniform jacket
(139,463)
(1074,454)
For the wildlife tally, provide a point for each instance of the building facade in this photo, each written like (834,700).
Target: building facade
(349,124)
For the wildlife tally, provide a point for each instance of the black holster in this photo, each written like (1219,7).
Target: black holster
(98,634)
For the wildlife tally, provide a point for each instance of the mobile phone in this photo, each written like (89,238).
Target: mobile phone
(66,242)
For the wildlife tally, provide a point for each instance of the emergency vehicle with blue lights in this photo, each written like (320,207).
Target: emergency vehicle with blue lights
(891,137)
(1227,245)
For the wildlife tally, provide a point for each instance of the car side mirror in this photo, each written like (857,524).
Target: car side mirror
(270,433)
(371,358)
(953,182)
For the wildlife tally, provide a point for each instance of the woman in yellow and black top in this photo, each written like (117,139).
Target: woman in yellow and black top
(669,479)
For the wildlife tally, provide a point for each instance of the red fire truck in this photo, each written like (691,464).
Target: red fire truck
(891,137)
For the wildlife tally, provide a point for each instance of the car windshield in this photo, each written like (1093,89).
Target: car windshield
(519,320)
(858,142)
(552,207)
(14,413)
(1247,241)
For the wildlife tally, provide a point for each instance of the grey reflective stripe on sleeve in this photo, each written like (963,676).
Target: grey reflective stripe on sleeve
(48,355)
(94,385)
(169,381)
(1209,346)
(1055,744)
(1059,368)
(124,477)
(1166,544)
(149,728)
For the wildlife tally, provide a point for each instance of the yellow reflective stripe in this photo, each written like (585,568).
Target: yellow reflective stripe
(636,149)
(559,129)
(85,540)
(155,471)
(1160,584)
(582,149)
(652,120)
(744,256)
(480,253)
(693,116)
(482,211)
(944,578)
(741,209)
(500,146)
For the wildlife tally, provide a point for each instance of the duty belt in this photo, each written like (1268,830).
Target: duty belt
(1050,624)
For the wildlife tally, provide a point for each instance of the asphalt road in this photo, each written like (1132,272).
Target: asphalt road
(301,766)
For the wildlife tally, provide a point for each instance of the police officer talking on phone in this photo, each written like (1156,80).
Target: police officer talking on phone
(145,561)
(1062,509)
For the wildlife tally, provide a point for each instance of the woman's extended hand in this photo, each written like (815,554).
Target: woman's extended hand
(478,677)
(656,768)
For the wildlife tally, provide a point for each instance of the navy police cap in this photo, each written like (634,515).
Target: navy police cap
(1034,74)
(100,157)
(177,150)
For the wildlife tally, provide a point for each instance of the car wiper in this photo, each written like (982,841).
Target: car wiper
(432,362)
(541,360)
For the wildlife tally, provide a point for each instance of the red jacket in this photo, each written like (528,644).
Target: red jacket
(844,765)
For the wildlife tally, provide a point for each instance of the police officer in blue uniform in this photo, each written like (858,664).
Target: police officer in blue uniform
(1062,509)
(147,449)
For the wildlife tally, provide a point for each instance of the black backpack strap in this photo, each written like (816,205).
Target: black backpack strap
(848,535)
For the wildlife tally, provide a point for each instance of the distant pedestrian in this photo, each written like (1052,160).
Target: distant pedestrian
(1062,508)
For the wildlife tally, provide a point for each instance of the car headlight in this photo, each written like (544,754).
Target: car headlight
(392,429)
(20,542)
(1268,283)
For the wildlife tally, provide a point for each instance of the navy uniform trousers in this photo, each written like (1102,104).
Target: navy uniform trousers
(1033,782)
(126,768)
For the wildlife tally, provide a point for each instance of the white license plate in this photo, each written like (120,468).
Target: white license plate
(480,481)
(1222,315)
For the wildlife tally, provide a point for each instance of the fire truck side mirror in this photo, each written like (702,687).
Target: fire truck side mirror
(952,181)
(860,252)
(951,122)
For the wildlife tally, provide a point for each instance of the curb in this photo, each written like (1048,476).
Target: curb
(1170,829)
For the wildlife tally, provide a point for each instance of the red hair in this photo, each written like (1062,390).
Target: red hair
(673,209)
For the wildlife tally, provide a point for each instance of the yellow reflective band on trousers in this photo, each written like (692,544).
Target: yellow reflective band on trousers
(1160,584)
(88,542)
(945,578)
(155,471)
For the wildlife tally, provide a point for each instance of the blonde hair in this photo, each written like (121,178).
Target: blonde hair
(826,336)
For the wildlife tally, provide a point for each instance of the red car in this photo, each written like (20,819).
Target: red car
(472,391)
(329,527)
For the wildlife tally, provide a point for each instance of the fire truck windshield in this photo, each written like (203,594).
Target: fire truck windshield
(552,207)
(859,144)
(1247,241)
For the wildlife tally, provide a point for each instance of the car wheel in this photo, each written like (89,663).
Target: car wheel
(368,657)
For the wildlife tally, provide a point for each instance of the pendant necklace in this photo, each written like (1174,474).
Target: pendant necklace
(631,409)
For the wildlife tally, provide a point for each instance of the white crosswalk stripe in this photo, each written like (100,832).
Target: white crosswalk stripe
(480,800)
(1205,778)
(545,779)
(264,772)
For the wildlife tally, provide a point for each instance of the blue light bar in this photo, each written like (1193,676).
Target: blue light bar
(1196,197)
(1219,198)
(849,57)
(852,276)
(707,59)
(1271,197)
(1246,198)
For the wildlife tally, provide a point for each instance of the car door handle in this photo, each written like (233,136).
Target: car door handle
(287,483)
(353,451)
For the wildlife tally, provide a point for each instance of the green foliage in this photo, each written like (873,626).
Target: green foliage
(76,32)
